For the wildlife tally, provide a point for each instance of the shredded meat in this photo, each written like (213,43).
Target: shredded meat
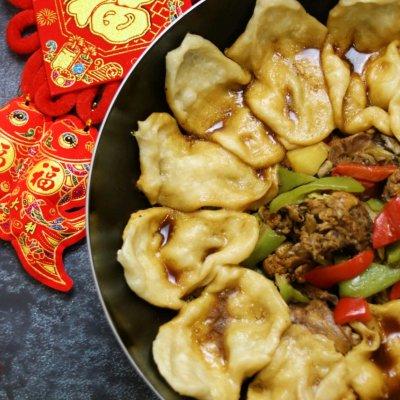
(289,259)
(318,318)
(317,229)
(392,188)
(364,148)
(315,293)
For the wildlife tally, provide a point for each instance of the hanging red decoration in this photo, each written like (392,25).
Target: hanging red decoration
(19,42)
(78,55)
(92,42)
(44,211)
(21,129)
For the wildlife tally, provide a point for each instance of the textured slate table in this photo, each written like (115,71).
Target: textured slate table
(55,346)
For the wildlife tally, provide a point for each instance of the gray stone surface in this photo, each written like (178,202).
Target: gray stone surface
(55,346)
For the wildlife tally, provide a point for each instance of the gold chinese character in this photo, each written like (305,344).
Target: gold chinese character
(117,21)
(46,177)
(7,154)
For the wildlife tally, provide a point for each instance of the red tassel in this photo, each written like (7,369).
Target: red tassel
(53,107)
(88,109)
(30,73)
(17,41)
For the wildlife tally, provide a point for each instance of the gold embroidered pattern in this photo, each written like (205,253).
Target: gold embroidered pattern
(76,61)
(46,17)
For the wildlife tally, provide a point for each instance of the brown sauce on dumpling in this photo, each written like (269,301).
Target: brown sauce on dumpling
(173,274)
(210,331)
(166,229)
(234,101)
(289,107)
(385,360)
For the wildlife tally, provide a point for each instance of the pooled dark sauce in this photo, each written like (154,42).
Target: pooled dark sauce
(219,125)
(166,229)
(289,110)
(385,361)
(173,274)
(261,174)
(238,102)
(357,59)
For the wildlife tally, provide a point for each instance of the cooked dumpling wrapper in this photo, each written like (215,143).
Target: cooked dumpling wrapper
(305,366)
(362,373)
(281,47)
(168,254)
(385,358)
(224,336)
(369,24)
(205,92)
(188,174)
(361,62)
(373,366)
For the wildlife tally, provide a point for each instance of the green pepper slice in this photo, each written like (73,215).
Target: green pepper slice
(268,242)
(288,292)
(289,180)
(375,279)
(297,195)
(393,253)
(375,205)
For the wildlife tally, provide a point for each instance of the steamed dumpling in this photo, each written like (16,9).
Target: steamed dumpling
(361,62)
(187,174)
(168,254)
(224,336)
(305,366)
(205,92)
(281,47)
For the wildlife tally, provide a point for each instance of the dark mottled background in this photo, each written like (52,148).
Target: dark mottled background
(55,346)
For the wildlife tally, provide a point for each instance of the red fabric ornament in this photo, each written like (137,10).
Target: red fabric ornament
(17,41)
(54,107)
(44,211)
(21,129)
(92,104)
(44,164)
(91,42)
(30,73)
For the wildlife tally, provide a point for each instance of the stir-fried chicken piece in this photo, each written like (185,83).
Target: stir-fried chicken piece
(320,228)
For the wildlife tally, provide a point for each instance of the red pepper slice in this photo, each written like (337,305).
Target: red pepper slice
(370,173)
(325,277)
(392,210)
(371,189)
(367,184)
(395,292)
(350,309)
(387,225)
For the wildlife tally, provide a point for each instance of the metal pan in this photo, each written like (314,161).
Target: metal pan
(112,194)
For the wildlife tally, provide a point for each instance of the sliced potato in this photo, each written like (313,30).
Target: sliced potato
(308,160)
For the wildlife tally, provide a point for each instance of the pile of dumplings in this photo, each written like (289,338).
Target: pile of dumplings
(286,83)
